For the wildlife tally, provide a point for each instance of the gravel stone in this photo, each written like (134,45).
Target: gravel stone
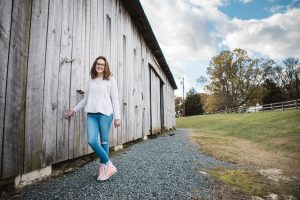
(167,167)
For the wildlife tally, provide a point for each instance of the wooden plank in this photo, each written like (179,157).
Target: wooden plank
(139,94)
(136,87)
(13,140)
(150,99)
(125,82)
(158,81)
(145,88)
(112,14)
(74,131)
(120,67)
(124,90)
(107,29)
(114,60)
(154,101)
(35,83)
(62,138)
(5,24)
(143,92)
(83,150)
(173,108)
(130,82)
(94,38)
(158,103)
(51,82)
(108,43)
(100,30)
(170,106)
(167,104)
(138,83)
(146,95)
(94,35)
(162,108)
(88,61)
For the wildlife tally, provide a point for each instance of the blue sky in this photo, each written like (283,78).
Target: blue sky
(191,32)
(262,8)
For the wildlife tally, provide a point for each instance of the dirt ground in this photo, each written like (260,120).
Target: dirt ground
(276,162)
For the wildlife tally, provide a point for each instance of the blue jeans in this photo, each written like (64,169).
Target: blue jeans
(99,123)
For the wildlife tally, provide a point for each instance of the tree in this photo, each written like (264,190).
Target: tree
(201,80)
(273,93)
(257,96)
(212,104)
(193,104)
(178,106)
(235,77)
(203,98)
(292,75)
(286,76)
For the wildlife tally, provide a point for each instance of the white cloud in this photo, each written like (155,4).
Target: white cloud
(205,3)
(183,31)
(192,31)
(277,8)
(276,37)
(180,30)
(245,1)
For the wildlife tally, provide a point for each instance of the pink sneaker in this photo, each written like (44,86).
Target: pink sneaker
(107,172)
(101,168)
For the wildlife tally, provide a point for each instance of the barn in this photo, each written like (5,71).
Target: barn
(47,49)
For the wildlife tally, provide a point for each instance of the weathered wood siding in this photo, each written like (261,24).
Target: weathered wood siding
(47,49)
(35,87)
(15,93)
(5,22)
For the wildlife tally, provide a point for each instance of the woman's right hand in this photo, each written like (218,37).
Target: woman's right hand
(69,113)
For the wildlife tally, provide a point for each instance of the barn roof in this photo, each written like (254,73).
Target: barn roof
(138,16)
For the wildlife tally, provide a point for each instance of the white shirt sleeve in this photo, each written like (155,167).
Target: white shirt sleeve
(83,101)
(115,98)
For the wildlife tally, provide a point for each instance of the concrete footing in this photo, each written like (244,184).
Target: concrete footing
(145,137)
(118,148)
(29,178)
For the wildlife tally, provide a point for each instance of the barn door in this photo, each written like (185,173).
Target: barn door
(156,101)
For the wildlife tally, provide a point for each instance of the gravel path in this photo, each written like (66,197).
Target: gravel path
(166,167)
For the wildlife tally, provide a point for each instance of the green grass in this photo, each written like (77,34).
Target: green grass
(250,182)
(264,140)
(257,127)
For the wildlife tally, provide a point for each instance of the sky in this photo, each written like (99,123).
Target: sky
(191,32)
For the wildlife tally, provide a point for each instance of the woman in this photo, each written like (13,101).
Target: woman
(102,105)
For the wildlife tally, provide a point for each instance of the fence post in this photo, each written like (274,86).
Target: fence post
(296,102)
(271,106)
(282,105)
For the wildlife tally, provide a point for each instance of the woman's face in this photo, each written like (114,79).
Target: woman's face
(100,66)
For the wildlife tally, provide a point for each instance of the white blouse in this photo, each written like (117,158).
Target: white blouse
(100,96)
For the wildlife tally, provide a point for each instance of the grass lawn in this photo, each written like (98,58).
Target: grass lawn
(264,140)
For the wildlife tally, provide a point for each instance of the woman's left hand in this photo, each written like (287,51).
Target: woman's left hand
(117,123)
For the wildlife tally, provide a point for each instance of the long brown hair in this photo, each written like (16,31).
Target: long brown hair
(107,71)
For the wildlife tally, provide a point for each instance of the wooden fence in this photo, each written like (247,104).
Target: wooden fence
(294,104)
(284,105)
